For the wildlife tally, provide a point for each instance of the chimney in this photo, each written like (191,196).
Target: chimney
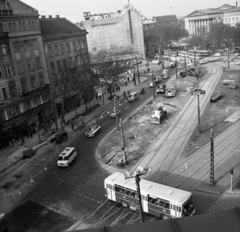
(43,16)
(57,16)
(50,16)
(236,4)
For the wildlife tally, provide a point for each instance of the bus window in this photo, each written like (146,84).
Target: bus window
(119,189)
(152,199)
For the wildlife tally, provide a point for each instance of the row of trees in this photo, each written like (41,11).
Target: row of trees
(159,36)
(217,35)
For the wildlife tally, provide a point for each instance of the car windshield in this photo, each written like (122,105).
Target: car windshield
(61,158)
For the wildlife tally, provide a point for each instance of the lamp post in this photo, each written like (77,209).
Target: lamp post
(176,66)
(153,86)
(136,174)
(228,44)
(138,70)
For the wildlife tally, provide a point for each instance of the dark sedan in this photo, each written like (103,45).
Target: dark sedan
(93,131)
(161,89)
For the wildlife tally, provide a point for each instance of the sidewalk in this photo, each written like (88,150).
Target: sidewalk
(9,156)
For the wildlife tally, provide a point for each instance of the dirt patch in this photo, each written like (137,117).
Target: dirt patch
(215,113)
(138,131)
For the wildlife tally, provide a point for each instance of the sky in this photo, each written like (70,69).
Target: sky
(73,9)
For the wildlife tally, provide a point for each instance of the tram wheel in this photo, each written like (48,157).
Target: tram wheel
(124,204)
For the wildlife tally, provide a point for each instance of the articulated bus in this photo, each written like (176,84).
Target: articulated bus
(157,199)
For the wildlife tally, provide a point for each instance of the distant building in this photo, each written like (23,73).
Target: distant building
(148,23)
(64,44)
(120,32)
(25,98)
(166,19)
(232,16)
(202,19)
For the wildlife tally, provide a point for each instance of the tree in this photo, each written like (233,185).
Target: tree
(107,67)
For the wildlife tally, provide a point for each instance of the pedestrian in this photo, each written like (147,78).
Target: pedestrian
(148,69)
(124,94)
(23,141)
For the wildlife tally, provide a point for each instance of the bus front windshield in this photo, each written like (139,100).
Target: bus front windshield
(188,208)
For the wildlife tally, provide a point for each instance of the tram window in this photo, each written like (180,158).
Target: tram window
(152,200)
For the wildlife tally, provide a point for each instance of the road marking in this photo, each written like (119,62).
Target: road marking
(126,107)
(106,123)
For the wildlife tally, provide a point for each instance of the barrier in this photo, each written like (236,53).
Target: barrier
(216,98)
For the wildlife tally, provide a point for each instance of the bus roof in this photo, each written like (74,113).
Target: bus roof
(152,188)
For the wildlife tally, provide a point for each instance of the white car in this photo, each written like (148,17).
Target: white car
(165,76)
(114,113)
(217,54)
(151,84)
(165,71)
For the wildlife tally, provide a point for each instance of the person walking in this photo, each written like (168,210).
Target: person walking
(124,94)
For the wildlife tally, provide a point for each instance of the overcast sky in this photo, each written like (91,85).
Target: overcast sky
(73,9)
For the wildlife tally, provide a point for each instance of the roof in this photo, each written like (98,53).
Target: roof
(178,195)
(58,26)
(166,19)
(222,221)
(235,9)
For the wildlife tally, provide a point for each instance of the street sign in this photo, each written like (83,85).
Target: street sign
(231,171)
(198,92)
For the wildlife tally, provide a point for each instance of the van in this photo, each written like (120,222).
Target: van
(133,96)
(67,157)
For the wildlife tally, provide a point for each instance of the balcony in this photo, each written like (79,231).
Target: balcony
(6,12)
(36,91)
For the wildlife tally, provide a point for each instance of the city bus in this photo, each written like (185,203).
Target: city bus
(157,199)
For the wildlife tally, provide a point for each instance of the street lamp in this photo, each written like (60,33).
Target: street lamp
(153,86)
(176,66)
(136,174)
(138,70)
(228,43)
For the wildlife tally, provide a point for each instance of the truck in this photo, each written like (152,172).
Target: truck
(159,114)
(170,90)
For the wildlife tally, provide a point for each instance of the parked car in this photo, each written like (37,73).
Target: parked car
(93,131)
(114,113)
(172,64)
(161,89)
(151,84)
(183,74)
(217,54)
(165,76)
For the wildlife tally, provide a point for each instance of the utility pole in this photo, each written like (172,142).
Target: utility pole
(138,71)
(134,76)
(228,57)
(153,86)
(123,142)
(176,66)
(185,62)
(137,179)
(212,181)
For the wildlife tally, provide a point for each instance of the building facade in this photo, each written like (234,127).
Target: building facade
(65,46)
(201,20)
(232,16)
(120,32)
(25,99)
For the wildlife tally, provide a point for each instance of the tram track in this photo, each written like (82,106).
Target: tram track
(168,160)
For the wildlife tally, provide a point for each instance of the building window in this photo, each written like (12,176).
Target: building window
(26,45)
(58,65)
(24,85)
(46,97)
(49,48)
(35,43)
(14,27)
(1,74)
(4,92)
(8,70)
(4,49)
(56,51)
(30,25)
(68,48)
(52,68)
(12,90)
(74,46)
(30,65)
(36,101)
(38,62)
(27,106)
(41,80)
(20,67)
(24,26)
(33,83)
(62,49)
(33,25)
(16,46)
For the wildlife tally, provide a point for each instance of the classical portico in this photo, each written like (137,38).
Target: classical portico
(200,21)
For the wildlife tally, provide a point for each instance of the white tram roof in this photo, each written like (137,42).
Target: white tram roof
(151,188)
